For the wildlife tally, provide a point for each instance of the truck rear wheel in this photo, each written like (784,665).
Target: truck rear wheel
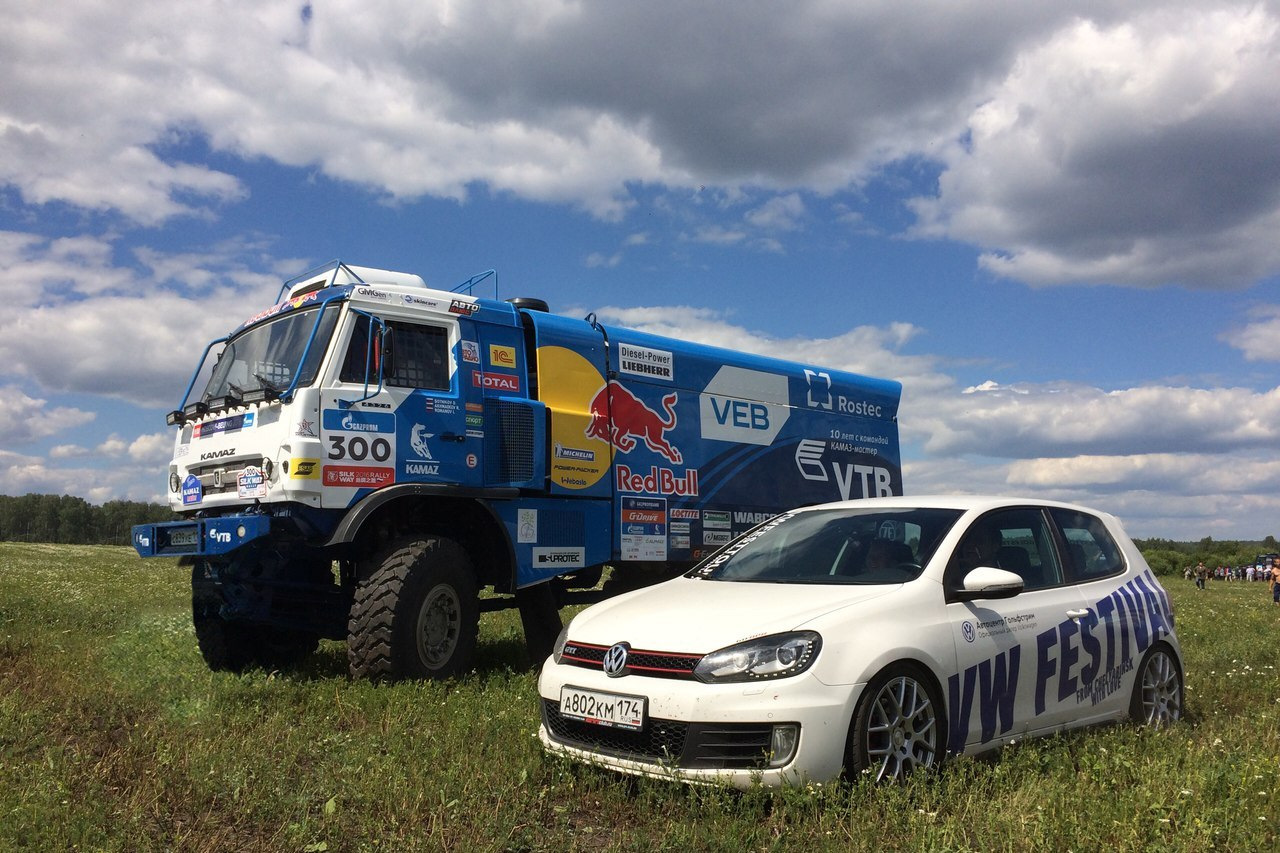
(416,614)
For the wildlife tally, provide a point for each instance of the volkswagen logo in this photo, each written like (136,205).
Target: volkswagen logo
(615,660)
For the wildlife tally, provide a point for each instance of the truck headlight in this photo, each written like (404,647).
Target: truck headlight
(775,656)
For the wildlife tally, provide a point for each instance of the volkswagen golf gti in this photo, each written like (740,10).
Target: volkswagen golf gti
(868,637)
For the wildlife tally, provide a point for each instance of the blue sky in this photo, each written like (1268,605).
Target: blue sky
(1059,228)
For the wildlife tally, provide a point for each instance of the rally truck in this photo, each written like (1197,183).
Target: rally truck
(376,461)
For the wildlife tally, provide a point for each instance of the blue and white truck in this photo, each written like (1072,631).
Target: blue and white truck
(369,454)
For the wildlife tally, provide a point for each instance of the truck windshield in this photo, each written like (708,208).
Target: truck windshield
(268,356)
(836,546)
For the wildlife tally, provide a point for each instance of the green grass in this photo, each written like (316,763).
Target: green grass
(114,736)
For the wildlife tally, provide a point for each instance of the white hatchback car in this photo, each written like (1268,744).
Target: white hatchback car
(869,636)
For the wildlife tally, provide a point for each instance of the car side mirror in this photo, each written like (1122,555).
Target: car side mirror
(989,582)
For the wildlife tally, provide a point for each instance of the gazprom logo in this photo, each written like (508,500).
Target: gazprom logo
(336,420)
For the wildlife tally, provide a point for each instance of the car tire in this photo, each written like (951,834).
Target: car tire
(1158,693)
(416,613)
(898,726)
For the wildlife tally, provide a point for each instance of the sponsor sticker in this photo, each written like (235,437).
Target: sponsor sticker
(250,483)
(192,491)
(353,477)
(304,469)
(527,526)
(500,356)
(559,558)
(714,519)
(649,363)
(336,420)
(471,352)
(495,381)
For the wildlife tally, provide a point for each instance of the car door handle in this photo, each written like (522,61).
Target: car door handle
(452,436)
(1078,614)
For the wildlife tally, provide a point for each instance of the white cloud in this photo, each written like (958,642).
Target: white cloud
(1099,143)
(24,419)
(1259,339)
(1131,152)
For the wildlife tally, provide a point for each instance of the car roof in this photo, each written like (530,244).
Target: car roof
(974,503)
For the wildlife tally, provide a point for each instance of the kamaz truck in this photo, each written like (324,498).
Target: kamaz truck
(377,461)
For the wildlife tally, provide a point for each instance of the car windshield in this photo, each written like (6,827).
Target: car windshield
(267,356)
(834,546)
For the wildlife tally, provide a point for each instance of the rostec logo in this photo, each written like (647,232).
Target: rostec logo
(620,417)
(615,660)
(819,388)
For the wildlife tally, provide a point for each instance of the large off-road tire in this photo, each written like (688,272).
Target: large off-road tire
(897,727)
(1157,691)
(225,646)
(233,645)
(416,614)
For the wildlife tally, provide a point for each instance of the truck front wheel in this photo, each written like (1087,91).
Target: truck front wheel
(415,614)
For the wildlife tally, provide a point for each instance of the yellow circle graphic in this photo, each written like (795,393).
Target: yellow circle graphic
(568,383)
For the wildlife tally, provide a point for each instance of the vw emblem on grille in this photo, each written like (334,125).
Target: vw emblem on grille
(615,660)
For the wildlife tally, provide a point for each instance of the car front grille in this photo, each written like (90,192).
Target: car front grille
(640,662)
(688,746)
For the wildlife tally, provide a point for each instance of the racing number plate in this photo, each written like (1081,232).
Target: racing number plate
(603,709)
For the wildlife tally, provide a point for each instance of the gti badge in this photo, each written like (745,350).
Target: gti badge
(615,660)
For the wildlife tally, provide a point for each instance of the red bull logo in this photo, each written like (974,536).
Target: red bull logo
(620,418)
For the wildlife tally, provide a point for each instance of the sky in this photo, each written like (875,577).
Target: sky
(1058,225)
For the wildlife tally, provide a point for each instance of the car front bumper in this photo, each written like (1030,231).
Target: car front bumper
(705,733)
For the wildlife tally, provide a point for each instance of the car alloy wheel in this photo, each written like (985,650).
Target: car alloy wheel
(897,727)
(1157,697)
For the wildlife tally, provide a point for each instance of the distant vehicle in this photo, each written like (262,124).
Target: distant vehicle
(369,453)
(868,637)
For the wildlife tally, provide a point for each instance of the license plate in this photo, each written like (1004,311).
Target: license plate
(184,536)
(603,709)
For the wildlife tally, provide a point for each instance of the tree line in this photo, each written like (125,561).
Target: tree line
(74,521)
(69,520)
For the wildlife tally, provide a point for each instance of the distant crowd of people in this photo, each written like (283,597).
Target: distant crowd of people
(1202,573)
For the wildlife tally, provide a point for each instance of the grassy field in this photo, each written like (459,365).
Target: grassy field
(114,736)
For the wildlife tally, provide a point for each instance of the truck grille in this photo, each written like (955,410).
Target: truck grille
(509,442)
(218,479)
(689,746)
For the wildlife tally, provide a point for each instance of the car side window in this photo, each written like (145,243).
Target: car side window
(1016,540)
(1091,552)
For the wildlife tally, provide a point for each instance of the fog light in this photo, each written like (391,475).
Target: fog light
(782,746)
(240,531)
(174,482)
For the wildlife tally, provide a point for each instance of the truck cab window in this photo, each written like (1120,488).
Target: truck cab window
(417,355)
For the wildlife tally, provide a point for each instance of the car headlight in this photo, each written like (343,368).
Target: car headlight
(557,650)
(776,656)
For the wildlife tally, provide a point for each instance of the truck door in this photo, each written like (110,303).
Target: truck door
(394,413)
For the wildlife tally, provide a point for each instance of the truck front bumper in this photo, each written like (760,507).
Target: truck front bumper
(199,536)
